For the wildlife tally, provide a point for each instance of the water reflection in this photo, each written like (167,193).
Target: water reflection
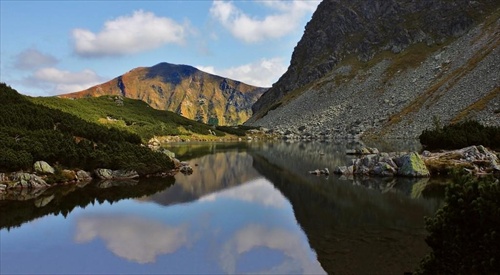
(253,210)
(130,237)
(248,228)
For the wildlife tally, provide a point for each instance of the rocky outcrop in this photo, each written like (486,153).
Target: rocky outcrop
(184,90)
(26,180)
(386,165)
(476,160)
(389,69)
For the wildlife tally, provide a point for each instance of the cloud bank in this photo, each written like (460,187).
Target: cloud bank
(58,81)
(32,59)
(262,73)
(286,18)
(124,35)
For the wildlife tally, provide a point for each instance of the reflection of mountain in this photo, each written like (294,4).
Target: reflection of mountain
(353,229)
(212,173)
(65,199)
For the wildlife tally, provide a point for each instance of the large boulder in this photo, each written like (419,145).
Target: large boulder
(82,175)
(104,174)
(412,165)
(43,167)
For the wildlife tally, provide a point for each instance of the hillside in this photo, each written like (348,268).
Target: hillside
(389,69)
(130,115)
(31,132)
(184,90)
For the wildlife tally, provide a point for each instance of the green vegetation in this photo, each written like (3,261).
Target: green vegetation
(239,130)
(30,132)
(126,114)
(465,232)
(459,135)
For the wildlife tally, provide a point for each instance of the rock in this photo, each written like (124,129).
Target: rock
(177,163)
(69,175)
(168,153)
(43,167)
(154,144)
(124,174)
(315,172)
(344,170)
(186,170)
(26,180)
(83,175)
(369,160)
(104,174)
(325,171)
(412,165)
(361,170)
(383,169)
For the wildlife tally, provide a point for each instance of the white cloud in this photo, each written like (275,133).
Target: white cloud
(286,19)
(59,81)
(31,59)
(262,73)
(139,32)
(132,238)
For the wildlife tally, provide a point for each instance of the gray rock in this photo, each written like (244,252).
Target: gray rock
(124,174)
(43,167)
(412,165)
(104,174)
(186,170)
(83,175)
(26,180)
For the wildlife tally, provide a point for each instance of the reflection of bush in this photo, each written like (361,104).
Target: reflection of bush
(461,135)
(67,198)
(464,234)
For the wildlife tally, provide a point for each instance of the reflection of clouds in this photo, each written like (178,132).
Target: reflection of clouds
(299,259)
(132,238)
(258,191)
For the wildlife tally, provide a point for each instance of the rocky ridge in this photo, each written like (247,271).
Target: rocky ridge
(403,88)
(185,90)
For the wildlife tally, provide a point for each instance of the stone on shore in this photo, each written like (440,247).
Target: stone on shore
(43,167)
(413,166)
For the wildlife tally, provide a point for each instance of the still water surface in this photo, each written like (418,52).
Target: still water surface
(247,208)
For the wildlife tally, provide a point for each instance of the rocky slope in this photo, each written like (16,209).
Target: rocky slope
(185,90)
(389,69)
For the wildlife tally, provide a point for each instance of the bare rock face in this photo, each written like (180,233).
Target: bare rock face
(386,68)
(185,90)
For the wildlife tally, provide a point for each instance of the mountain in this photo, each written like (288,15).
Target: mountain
(381,68)
(185,90)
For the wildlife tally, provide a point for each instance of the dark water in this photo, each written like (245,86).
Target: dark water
(247,208)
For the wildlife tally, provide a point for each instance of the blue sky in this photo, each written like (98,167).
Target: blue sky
(54,47)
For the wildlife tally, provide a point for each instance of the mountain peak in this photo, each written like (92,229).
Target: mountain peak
(185,90)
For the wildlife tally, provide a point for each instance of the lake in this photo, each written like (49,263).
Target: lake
(247,208)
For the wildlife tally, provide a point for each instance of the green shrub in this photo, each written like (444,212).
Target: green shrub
(465,232)
(461,135)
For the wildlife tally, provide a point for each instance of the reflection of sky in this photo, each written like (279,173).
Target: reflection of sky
(246,229)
